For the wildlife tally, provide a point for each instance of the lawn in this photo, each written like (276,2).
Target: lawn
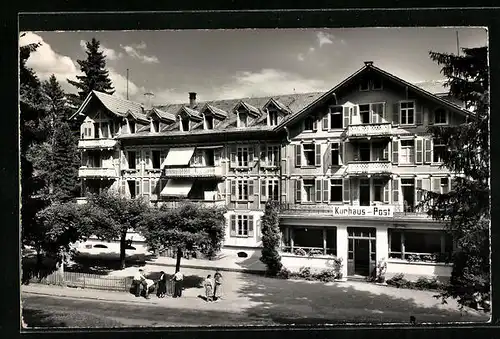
(38,317)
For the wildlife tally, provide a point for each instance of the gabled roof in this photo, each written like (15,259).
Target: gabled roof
(138,117)
(248,107)
(162,114)
(367,68)
(114,104)
(278,105)
(190,112)
(215,111)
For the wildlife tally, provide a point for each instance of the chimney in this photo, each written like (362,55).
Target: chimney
(192,99)
(148,96)
(368,63)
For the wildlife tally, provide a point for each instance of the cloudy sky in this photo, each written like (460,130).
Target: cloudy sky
(224,64)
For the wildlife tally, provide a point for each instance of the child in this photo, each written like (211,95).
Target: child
(208,288)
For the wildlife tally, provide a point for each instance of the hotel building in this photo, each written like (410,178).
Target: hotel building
(346,166)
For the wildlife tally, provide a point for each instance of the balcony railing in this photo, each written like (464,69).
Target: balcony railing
(205,203)
(195,172)
(369,167)
(96,143)
(369,130)
(97,172)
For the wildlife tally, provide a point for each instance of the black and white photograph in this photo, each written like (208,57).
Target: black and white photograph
(254,177)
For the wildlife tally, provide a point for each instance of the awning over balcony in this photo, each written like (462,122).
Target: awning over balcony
(178,156)
(177,188)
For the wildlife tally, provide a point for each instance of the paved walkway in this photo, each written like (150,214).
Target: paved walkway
(280,300)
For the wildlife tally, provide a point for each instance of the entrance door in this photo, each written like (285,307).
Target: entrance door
(364,192)
(362,257)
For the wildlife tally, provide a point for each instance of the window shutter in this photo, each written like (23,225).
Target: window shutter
(318,155)
(250,226)
(346,191)
(233,190)
(436,184)
(317,184)
(395,114)
(428,151)
(298,190)
(148,158)
(346,116)
(327,157)
(233,162)
(325,122)
(385,153)
(418,151)
(163,156)
(233,225)
(263,186)
(326,185)
(263,149)
(251,151)
(395,190)
(395,152)
(341,153)
(217,157)
(315,123)
(298,155)
(418,190)
(387,192)
(122,188)
(251,196)
(145,186)
(137,159)
(418,114)
(137,187)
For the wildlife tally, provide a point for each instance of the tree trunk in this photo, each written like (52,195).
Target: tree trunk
(38,265)
(178,263)
(122,249)
(60,267)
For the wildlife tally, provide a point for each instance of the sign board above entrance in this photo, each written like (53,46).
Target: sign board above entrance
(364,211)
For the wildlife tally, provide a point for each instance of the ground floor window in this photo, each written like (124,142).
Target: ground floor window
(419,245)
(242,225)
(95,186)
(309,240)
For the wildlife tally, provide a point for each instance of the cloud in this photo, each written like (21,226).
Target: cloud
(300,57)
(324,38)
(45,62)
(132,51)
(311,49)
(110,53)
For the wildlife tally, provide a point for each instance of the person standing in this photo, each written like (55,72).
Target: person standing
(178,278)
(217,285)
(138,281)
(162,285)
(209,288)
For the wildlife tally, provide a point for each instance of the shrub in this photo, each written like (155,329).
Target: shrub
(314,252)
(326,275)
(422,283)
(284,273)
(305,273)
(336,263)
(299,251)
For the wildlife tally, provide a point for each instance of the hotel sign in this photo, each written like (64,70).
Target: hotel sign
(364,211)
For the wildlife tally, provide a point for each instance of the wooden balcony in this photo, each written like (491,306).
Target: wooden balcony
(192,172)
(97,172)
(97,143)
(203,203)
(369,167)
(369,130)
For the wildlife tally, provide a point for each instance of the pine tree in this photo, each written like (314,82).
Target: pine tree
(95,77)
(271,238)
(465,210)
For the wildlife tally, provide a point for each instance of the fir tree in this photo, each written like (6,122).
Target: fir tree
(465,210)
(95,77)
(271,238)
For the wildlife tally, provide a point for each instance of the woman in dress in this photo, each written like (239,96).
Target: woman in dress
(217,286)
(162,285)
(209,290)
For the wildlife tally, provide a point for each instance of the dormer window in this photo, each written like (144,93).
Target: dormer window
(209,122)
(242,119)
(184,124)
(272,117)
(376,84)
(131,126)
(364,85)
(155,126)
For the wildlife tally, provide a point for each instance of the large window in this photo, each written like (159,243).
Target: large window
(407,152)
(131,159)
(440,116)
(242,225)
(364,113)
(336,117)
(272,189)
(364,151)
(309,154)
(198,158)
(335,149)
(308,190)
(156,155)
(273,117)
(407,112)
(419,245)
(104,130)
(336,190)
(272,155)
(242,190)
(242,156)
(408,189)
(439,149)
(378,190)
(309,123)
